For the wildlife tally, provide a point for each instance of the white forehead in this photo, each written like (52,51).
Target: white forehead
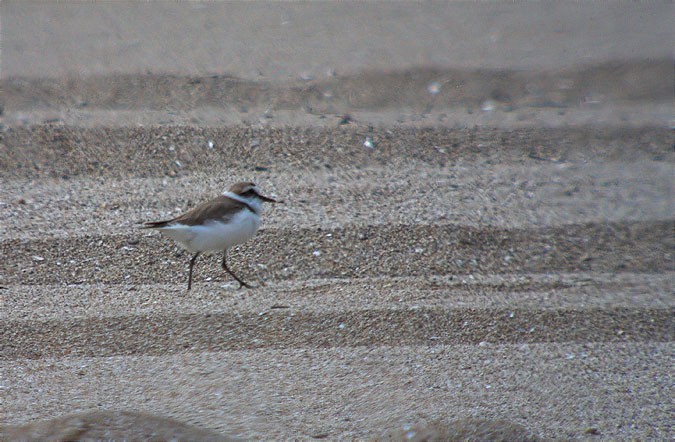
(242,189)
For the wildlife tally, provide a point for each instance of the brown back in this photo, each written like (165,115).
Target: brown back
(221,208)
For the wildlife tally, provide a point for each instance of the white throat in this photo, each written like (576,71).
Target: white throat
(254,203)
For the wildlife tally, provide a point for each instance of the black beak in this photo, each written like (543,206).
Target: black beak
(269,200)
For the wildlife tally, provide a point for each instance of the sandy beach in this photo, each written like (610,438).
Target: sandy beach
(476,241)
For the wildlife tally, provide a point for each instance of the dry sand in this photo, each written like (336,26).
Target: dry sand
(496,262)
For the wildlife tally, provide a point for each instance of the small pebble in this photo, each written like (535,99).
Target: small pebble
(346,119)
(488,106)
(434,87)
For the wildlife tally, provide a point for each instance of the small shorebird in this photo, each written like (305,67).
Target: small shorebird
(216,225)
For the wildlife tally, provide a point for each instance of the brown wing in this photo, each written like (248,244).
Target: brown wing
(221,208)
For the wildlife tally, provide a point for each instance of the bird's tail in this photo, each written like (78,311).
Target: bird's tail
(154,224)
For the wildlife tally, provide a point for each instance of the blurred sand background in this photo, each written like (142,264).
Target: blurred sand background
(477,240)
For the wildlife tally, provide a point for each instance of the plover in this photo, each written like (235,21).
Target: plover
(216,225)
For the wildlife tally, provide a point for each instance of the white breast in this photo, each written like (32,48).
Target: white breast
(215,235)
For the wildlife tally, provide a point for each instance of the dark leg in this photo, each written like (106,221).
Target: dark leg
(241,283)
(192,263)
